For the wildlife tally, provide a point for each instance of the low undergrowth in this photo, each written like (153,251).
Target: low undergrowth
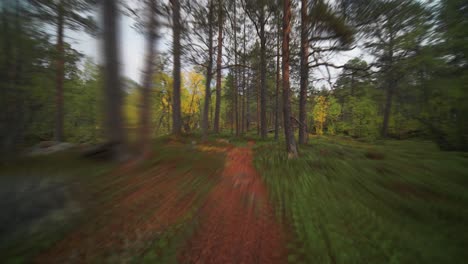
(356,202)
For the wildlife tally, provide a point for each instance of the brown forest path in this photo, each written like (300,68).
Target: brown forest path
(237,221)
(233,219)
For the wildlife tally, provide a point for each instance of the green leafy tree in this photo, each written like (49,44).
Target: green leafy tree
(63,14)
(334,112)
(393,30)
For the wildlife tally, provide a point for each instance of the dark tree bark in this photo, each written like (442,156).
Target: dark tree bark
(304,81)
(218,67)
(59,71)
(291,146)
(247,106)
(145,120)
(263,69)
(277,109)
(112,85)
(236,72)
(256,12)
(176,112)
(209,74)
(244,83)
(258,110)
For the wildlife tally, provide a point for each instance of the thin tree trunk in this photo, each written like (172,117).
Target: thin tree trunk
(112,87)
(211,115)
(277,110)
(304,81)
(236,72)
(59,64)
(247,108)
(291,146)
(145,122)
(218,67)
(244,83)
(263,69)
(232,116)
(191,111)
(176,112)
(258,111)
(206,107)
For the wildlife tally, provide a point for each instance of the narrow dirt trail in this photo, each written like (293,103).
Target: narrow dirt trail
(237,221)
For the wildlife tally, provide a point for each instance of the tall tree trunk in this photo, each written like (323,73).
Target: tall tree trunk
(59,64)
(218,67)
(206,107)
(291,146)
(263,69)
(390,90)
(259,128)
(112,84)
(145,121)
(236,72)
(277,110)
(244,83)
(176,112)
(233,112)
(247,107)
(304,81)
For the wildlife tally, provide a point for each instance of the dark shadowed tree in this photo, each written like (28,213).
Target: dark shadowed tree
(278,76)
(393,30)
(291,146)
(199,50)
(63,14)
(304,75)
(259,12)
(219,57)
(150,29)
(209,70)
(176,107)
(113,121)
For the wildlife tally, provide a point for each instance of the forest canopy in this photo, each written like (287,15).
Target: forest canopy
(224,71)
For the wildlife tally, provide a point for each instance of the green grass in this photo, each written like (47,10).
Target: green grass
(356,202)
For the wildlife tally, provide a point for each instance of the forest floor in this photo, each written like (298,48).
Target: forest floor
(342,201)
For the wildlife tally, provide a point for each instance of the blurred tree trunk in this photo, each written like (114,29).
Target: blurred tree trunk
(209,74)
(176,112)
(288,132)
(218,67)
(236,72)
(244,83)
(304,81)
(112,82)
(59,67)
(278,78)
(263,69)
(247,106)
(145,117)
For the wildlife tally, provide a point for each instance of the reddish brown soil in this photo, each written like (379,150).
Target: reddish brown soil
(237,221)
(133,207)
(126,224)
